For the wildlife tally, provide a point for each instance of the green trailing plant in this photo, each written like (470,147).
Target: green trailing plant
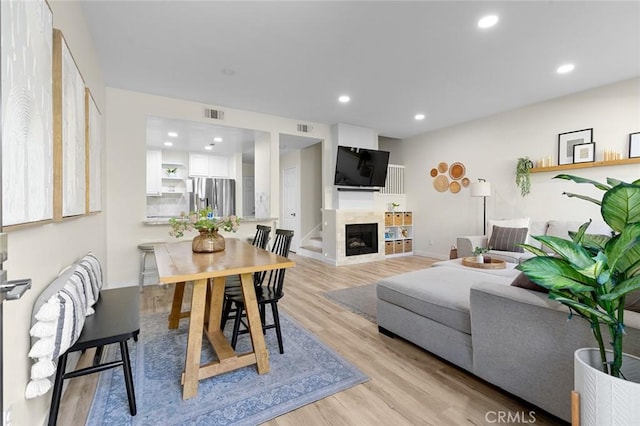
(523,181)
(592,274)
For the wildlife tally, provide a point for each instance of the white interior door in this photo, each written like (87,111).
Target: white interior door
(290,205)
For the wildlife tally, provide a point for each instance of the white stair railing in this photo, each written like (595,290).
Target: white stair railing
(395,180)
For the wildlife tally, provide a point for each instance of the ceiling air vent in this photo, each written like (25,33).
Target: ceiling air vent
(305,128)
(216,114)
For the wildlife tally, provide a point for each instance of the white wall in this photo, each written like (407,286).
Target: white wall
(263,181)
(126,174)
(311,188)
(346,135)
(39,252)
(489,149)
(394,146)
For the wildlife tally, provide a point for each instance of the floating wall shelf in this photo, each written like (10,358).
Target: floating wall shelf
(585,165)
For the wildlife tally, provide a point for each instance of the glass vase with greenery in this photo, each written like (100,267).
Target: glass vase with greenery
(202,221)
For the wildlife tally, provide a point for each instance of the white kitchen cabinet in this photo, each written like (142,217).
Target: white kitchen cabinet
(154,173)
(208,165)
(218,166)
(198,165)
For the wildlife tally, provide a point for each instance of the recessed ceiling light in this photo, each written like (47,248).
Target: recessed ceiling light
(172,134)
(167,143)
(488,21)
(217,139)
(344,99)
(209,147)
(419,116)
(566,68)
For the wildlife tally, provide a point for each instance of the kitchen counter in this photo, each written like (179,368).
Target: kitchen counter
(164,220)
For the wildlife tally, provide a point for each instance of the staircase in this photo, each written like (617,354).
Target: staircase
(312,248)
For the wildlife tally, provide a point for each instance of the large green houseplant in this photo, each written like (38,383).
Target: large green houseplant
(592,274)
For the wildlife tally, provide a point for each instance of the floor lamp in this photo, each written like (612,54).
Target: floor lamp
(482,188)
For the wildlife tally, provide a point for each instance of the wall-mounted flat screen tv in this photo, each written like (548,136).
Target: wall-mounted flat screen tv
(361,167)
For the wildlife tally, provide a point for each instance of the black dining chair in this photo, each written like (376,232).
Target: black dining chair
(232,284)
(269,290)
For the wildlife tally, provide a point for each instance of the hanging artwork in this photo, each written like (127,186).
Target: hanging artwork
(69,132)
(94,154)
(443,172)
(27,120)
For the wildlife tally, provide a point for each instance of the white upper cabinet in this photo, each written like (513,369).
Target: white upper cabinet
(218,166)
(154,173)
(198,165)
(208,165)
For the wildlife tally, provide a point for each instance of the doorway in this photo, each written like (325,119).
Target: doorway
(290,204)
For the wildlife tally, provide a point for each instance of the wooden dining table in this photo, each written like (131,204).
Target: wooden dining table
(177,263)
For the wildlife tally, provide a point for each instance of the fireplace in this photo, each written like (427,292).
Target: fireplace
(361,238)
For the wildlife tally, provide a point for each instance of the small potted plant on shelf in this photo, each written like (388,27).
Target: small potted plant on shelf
(172,171)
(523,181)
(394,206)
(592,275)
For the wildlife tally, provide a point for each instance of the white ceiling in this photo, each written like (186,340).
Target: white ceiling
(395,59)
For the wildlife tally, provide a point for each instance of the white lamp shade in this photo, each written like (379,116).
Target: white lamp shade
(480,189)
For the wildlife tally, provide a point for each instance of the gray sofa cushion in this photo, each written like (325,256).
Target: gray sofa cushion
(440,294)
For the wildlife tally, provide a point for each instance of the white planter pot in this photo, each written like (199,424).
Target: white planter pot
(604,399)
(480,258)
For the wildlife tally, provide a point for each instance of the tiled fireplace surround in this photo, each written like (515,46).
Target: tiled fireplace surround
(349,217)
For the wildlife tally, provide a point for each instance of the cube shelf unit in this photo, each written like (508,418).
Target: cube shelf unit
(398,233)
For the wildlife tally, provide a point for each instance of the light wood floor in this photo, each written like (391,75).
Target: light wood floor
(408,385)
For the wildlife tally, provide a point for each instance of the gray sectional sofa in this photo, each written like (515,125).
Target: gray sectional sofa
(514,338)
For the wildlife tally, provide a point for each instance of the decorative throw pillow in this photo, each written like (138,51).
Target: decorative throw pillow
(523,281)
(632,301)
(57,322)
(507,239)
(523,222)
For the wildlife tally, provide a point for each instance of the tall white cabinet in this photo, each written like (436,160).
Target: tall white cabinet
(154,173)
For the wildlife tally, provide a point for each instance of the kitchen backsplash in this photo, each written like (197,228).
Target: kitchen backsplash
(167,206)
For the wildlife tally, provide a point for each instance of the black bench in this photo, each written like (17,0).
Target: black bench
(116,320)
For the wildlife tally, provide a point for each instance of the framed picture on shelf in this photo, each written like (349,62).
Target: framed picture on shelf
(634,145)
(584,153)
(566,142)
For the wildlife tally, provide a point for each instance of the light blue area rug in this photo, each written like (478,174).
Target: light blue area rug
(307,371)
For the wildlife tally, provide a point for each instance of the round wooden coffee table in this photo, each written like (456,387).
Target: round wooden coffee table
(494,264)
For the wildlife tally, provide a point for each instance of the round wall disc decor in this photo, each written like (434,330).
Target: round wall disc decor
(456,171)
(434,172)
(443,167)
(454,187)
(465,182)
(441,183)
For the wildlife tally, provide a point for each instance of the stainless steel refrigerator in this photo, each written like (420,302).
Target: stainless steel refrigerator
(219,194)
